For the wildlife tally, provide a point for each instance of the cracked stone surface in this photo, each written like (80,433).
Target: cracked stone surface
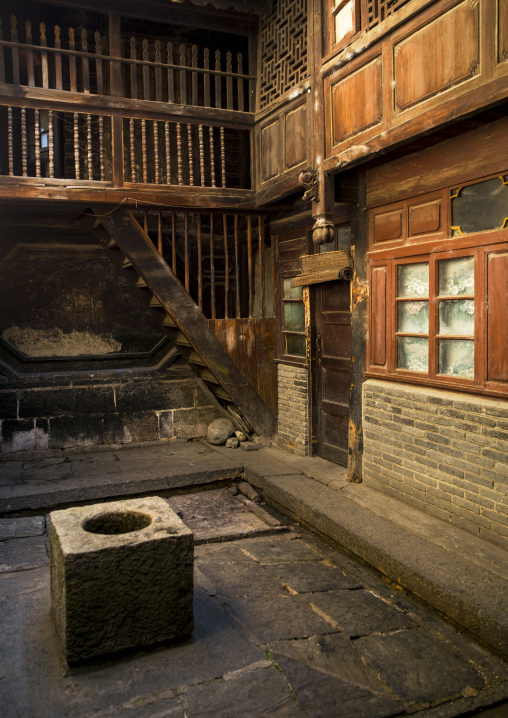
(285,627)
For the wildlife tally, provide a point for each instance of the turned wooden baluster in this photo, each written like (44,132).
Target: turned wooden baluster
(194,76)
(10,142)
(72,61)
(146,71)
(99,64)
(158,72)
(201,156)
(229,81)
(15,51)
(218,98)
(168,153)
(223,156)
(58,59)
(51,145)
(206,79)
(134,70)
(133,151)
(89,146)
(241,102)
(143,149)
(29,55)
(159,232)
(183,77)
(156,150)
(44,56)
(101,148)
(190,152)
(171,73)
(76,146)
(85,65)
(212,157)
(37,139)
(179,152)
(24,144)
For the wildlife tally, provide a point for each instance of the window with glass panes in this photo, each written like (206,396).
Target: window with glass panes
(293,319)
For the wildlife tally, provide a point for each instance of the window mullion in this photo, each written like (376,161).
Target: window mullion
(433,326)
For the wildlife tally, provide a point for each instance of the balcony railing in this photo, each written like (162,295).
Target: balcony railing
(57,144)
(148,69)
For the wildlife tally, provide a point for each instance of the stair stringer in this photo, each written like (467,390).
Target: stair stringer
(237,396)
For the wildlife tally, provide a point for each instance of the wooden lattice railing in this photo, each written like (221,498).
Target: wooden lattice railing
(147,69)
(57,144)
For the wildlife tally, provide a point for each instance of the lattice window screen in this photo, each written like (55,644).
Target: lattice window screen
(379,10)
(283,49)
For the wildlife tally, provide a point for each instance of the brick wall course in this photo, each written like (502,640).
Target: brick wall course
(293,403)
(441,452)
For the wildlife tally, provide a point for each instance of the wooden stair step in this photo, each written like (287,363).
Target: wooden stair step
(220,393)
(169,321)
(182,340)
(206,375)
(111,244)
(194,358)
(141,283)
(126,263)
(156,303)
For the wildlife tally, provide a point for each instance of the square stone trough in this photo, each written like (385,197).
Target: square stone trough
(121,576)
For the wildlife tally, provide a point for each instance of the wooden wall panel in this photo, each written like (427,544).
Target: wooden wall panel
(442,54)
(497,326)
(270,151)
(357,102)
(388,225)
(502,30)
(295,137)
(378,317)
(251,345)
(424,218)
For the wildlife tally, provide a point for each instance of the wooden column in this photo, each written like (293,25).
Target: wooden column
(359,295)
(115,80)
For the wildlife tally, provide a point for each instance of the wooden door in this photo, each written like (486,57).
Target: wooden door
(333,357)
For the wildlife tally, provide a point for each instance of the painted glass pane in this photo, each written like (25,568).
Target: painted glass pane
(295,344)
(344,21)
(344,236)
(294,316)
(413,280)
(413,353)
(480,206)
(413,317)
(456,277)
(292,292)
(456,357)
(456,316)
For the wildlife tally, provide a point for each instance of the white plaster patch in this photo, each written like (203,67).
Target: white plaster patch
(55,342)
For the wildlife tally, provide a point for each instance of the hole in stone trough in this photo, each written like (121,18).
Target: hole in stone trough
(117,522)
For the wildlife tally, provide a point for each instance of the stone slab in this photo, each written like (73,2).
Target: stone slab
(309,577)
(23,554)
(121,576)
(249,696)
(419,668)
(359,613)
(216,515)
(22,527)
(471,595)
(272,618)
(241,580)
(322,695)
(268,551)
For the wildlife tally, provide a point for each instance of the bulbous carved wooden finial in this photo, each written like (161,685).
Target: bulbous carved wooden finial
(323,230)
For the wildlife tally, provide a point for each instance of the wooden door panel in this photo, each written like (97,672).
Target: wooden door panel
(333,326)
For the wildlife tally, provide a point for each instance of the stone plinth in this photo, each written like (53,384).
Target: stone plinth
(121,576)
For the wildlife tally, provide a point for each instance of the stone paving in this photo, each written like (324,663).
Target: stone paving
(285,627)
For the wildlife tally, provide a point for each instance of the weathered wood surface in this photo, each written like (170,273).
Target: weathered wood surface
(411,92)
(251,345)
(144,258)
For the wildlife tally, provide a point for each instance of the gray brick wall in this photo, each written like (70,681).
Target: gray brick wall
(293,408)
(444,452)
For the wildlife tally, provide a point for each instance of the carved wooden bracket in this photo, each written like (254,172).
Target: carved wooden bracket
(309,179)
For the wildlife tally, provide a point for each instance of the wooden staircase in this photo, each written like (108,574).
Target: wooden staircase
(216,372)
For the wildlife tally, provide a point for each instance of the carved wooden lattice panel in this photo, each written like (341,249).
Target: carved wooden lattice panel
(379,10)
(283,49)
